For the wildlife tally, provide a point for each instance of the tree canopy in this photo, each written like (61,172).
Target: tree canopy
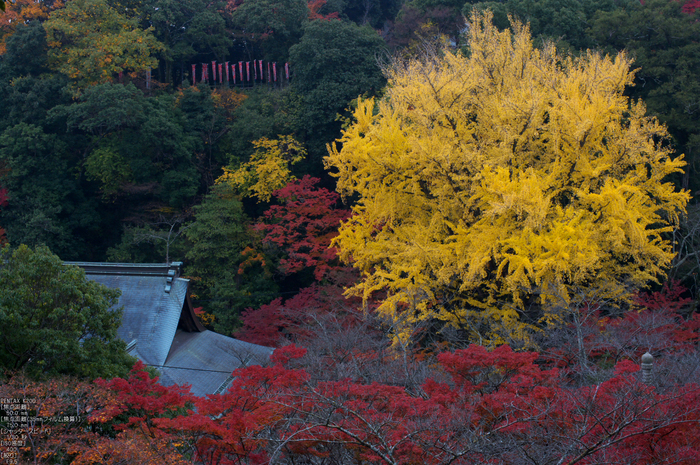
(90,42)
(56,321)
(334,62)
(274,24)
(501,189)
(661,38)
(228,273)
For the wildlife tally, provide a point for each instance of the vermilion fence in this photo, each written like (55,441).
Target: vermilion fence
(241,73)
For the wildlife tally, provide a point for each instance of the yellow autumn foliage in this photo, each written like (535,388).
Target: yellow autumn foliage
(91,42)
(501,189)
(268,168)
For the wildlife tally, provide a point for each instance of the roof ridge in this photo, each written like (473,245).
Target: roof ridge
(172,269)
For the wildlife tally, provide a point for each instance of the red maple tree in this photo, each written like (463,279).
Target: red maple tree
(303,226)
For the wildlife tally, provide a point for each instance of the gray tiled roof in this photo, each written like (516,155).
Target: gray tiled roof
(150,314)
(159,327)
(209,351)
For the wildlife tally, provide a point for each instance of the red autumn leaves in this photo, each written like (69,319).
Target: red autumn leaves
(478,406)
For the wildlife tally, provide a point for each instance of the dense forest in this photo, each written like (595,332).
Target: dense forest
(100,163)
(383,191)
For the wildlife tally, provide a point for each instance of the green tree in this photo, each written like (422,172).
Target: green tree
(56,321)
(371,12)
(157,241)
(500,191)
(426,4)
(207,116)
(272,25)
(334,62)
(50,203)
(138,145)
(189,29)
(663,42)
(90,42)
(229,273)
(27,88)
(47,204)
(565,21)
(262,114)
(26,51)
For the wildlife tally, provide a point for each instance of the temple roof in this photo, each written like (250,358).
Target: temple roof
(161,329)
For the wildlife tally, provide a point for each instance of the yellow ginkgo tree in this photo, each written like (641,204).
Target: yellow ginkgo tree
(268,169)
(502,188)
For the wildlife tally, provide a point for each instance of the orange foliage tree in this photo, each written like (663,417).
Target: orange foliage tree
(20,12)
(91,42)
